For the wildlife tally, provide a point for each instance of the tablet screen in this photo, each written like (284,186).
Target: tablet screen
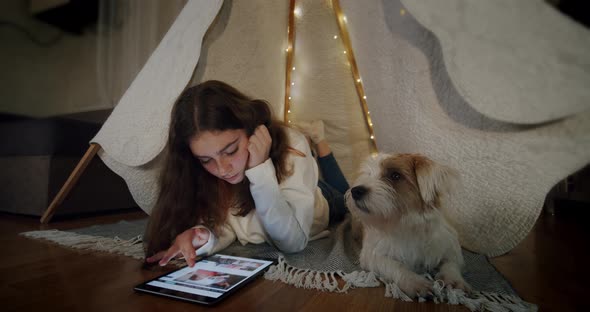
(208,280)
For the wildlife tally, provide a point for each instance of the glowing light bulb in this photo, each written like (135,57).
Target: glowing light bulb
(335,37)
(297,11)
(372,137)
(293,67)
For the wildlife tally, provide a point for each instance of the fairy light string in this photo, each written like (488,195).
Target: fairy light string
(343,35)
(290,51)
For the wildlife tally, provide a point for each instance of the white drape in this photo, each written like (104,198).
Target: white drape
(128,31)
(135,133)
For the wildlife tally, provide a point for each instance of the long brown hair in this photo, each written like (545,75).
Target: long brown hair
(188,194)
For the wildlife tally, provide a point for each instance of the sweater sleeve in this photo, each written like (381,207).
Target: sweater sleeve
(286,210)
(216,244)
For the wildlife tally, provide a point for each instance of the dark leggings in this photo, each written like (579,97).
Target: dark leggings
(333,187)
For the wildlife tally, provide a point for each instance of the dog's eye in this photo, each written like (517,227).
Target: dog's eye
(395,176)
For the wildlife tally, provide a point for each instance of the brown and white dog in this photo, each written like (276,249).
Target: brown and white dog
(398,199)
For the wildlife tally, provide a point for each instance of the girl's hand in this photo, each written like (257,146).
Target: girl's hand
(185,244)
(259,146)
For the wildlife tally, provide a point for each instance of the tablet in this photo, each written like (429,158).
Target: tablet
(209,281)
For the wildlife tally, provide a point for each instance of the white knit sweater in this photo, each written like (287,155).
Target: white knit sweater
(288,214)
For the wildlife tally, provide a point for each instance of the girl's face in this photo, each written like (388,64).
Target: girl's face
(224,154)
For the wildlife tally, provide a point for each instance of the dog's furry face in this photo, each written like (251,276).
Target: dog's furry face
(391,186)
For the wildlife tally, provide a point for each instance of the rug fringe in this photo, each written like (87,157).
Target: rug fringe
(327,281)
(319,280)
(131,247)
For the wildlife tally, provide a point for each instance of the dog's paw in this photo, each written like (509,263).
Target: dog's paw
(453,280)
(415,286)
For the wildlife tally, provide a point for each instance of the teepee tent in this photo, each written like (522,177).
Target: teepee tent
(476,86)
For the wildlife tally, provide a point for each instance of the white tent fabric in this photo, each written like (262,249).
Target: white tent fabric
(133,134)
(245,48)
(531,61)
(324,86)
(127,33)
(136,132)
(507,168)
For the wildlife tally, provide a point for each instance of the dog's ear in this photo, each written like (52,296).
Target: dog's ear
(435,181)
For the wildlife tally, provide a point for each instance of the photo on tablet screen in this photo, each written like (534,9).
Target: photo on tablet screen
(208,281)
(211,279)
(233,263)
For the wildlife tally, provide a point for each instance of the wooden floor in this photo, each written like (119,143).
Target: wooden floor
(549,268)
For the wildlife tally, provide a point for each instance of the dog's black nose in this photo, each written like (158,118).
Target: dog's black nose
(358,192)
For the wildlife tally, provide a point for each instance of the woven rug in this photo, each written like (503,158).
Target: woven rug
(319,266)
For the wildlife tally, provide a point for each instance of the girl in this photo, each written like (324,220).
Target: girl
(237,173)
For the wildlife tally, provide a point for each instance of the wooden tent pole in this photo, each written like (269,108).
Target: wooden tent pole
(70,182)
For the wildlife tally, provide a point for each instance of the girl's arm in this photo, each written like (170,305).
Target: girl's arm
(286,211)
(185,243)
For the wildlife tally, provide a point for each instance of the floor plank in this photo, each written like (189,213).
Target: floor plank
(547,268)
